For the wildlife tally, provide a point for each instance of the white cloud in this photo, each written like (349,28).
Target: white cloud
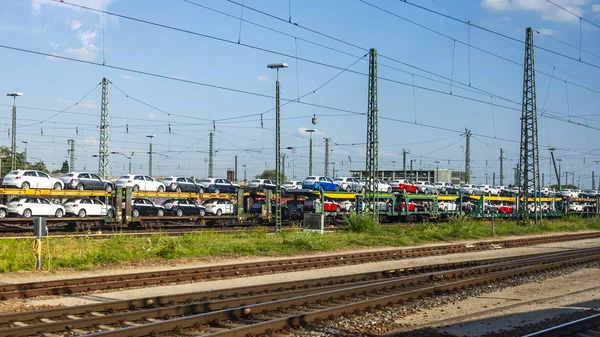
(54,44)
(596,8)
(262,78)
(127,77)
(546,10)
(302,132)
(90,141)
(88,105)
(546,31)
(87,51)
(76,25)
(37,5)
(154,117)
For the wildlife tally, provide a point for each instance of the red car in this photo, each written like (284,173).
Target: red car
(329,206)
(402,207)
(505,209)
(403,185)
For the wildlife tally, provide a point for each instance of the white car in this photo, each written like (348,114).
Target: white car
(381,186)
(3,211)
(218,206)
(488,190)
(83,207)
(575,207)
(346,205)
(447,206)
(291,185)
(28,207)
(348,184)
(140,182)
(31,179)
(262,185)
(468,189)
(568,193)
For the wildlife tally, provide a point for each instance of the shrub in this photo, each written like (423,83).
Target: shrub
(360,223)
(169,248)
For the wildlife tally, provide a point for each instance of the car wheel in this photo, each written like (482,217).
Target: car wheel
(202,212)
(59,213)
(404,190)
(135,213)
(219,212)
(201,190)
(426,191)
(337,188)
(57,186)
(25,185)
(389,190)
(160,212)
(27,213)
(217,190)
(161,188)
(2,213)
(81,213)
(108,188)
(363,190)
(283,191)
(338,209)
(321,188)
(178,189)
(80,187)
(135,188)
(179,212)
(109,213)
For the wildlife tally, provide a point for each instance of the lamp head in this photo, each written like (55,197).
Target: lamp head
(14,94)
(277,65)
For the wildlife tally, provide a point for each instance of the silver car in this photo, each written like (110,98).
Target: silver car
(426,187)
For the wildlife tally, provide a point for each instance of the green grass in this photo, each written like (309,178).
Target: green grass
(85,253)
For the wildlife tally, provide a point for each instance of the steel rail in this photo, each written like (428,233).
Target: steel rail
(111,282)
(587,326)
(310,285)
(266,317)
(124,313)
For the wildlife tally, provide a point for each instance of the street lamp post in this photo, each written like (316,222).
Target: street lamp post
(437,171)
(244,166)
(277,66)
(310,161)
(13,146)
(25,153)
(150,157)
(559,174)
(333,169)
(205,166)
(293,149)
(126,156)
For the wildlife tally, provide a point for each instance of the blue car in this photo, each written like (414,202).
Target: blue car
(320,183)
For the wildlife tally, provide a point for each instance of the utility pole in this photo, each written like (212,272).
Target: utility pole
(235,170)
(404,152)
(350,168)
(468,156)
(282,167)
(103,167)
(13,153)
(210,155)
(150,155)
(372,157)
(501,167)
(71,154)
(529,164)
(293,149)
(326,172)
(593,180)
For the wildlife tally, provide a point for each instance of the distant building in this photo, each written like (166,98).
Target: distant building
(231,175)
(445,175)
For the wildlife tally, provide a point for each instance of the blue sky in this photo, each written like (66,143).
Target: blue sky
(440,66)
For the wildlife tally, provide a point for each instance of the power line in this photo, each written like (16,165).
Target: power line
(568,11)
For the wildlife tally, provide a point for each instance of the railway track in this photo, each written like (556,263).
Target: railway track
(111,282)
(270,308)
(588,326)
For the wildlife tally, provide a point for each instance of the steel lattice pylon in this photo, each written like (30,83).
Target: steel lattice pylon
(103,168)
(529,164)
(372,160)
(210,156)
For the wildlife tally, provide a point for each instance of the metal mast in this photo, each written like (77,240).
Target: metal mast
(326,172)
(501,167)
(210,156)
(468,156)
(103,168)
(71,154)
(372,157)
(529,165)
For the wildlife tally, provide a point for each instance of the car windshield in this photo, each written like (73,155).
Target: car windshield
(124,177)
(205,181)
(68,175)
(338,179)
(255,181)
(289,183)
(464,185)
